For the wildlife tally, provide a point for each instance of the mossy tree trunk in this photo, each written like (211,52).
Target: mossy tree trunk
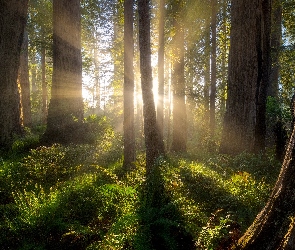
(65,111)
(12,23)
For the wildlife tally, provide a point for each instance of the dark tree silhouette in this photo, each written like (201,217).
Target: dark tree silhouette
(248,77)
(129,137)
(178,83)
(264,69)
(25,83)
(213,68)
(153,141)
(65,111)
(12,23)
(161,77)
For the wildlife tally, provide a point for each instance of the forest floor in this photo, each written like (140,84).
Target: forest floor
(76,197)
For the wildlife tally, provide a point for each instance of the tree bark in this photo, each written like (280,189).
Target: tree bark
(12,23)
(224,58)
(213,68)
(65,111)
(161,77)
(96,94)
(276,41)
(34,75)
(25,83)
(275,123)
(263,79)
(153,141)
(44,86)
(168,102)
(179,139)
(247,78)
(207,75)
(129,136)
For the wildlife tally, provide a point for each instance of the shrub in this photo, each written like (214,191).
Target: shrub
(25,142)
(80,212)
(95,128)
(220,232)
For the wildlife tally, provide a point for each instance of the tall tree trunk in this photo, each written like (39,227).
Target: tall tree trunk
(153,141)
(276,41)
(139,126)
(34,75)
(246,88)
(160,106)
(12,23)
(65,112)
(213,67)
(129,136)
(168,100)
(273,227)
(275,130)
(264,64)
(118,45)
(139,107)
(44,86)
(25,83)
(96,94)
(178,83)
(224,60)
(207,75)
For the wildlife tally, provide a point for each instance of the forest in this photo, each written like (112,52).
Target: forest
(147,124)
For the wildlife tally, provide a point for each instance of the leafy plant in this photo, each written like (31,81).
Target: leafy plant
(220,232)
(25,142)
(70,197)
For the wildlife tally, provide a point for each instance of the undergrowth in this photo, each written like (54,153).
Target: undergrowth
(70,197)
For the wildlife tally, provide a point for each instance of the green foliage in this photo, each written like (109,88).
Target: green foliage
(219,233)
(108,145)
(97,125)
(47,166)
(261,167)
(70,197)
(277,111)
(239,185)
(161,223)
(84,208)
(109,149)
(25,142)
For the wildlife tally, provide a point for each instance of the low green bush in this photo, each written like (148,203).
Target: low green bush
(83,209)
(25,142)
(70,197)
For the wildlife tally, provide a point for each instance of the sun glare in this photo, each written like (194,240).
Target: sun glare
(155,78)
(88,87)
(87,95)
(155,91)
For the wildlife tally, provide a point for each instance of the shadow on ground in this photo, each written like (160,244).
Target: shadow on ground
(161,224)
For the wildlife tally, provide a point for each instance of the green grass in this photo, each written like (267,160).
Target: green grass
(70,197)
